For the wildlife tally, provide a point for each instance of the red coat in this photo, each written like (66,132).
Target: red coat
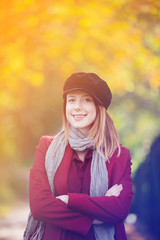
(82,209)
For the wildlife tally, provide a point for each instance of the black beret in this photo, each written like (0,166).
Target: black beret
(91,83)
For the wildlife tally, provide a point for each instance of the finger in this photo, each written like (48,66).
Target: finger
(114,191)
(115,188)
(110,190)
(117,191)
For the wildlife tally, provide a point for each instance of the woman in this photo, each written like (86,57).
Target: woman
(80,184)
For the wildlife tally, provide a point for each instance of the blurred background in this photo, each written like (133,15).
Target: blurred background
(43,43)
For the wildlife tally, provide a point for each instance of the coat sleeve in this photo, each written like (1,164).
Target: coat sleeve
(46,207)
(111,210)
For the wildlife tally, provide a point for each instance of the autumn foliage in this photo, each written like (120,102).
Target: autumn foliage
(43,42)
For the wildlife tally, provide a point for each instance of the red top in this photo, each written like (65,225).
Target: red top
(74,221)
(79,174)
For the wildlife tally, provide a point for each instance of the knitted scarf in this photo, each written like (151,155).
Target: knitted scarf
(98,186)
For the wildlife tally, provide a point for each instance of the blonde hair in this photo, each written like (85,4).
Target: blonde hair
(103,132)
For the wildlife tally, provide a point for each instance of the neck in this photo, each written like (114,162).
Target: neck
(81,154)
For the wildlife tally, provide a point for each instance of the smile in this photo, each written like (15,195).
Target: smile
(79,116)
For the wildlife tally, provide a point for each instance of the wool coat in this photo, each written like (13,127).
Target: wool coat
(82,209)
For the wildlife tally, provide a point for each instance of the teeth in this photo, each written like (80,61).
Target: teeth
(78,116)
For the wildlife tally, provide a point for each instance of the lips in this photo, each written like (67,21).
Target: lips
(78,117)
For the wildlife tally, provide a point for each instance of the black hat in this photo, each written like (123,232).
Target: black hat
(91,83)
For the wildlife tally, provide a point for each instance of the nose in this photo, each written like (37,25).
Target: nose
(77,105)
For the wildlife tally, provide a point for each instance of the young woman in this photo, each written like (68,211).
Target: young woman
(80,184)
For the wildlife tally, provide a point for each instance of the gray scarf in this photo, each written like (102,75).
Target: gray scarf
(98,186)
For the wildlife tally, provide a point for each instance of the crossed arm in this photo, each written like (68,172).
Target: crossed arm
(113,191)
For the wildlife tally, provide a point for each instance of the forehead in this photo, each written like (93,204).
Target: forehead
(78,93)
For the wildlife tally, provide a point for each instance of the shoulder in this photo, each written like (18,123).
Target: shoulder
(122,160)
(46,139)
(44,143)
(124,154)
(119,166)
(125,157)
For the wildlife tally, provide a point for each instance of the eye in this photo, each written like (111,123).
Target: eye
(71,100)
(87,99)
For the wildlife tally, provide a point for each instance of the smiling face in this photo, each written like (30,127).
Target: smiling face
(80,110)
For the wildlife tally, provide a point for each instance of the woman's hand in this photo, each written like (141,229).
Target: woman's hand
(114,190)
(63,198)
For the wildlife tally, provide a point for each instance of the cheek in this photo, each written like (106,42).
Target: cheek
(67,112)
(94,111)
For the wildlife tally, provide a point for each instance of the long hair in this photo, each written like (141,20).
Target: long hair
(103,132)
